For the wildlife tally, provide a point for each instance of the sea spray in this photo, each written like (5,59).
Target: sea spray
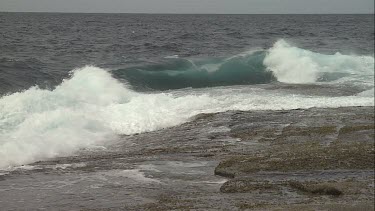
(91,108)
(84,110)
(291,64)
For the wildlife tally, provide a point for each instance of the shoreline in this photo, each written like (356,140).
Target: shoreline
(317,158)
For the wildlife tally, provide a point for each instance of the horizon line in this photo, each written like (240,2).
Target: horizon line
(171,13)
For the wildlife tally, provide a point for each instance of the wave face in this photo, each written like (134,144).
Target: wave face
(283,62)
(176,73)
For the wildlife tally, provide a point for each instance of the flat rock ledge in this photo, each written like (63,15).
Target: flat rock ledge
(316,153)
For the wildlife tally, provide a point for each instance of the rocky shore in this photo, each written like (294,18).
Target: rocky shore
(314,159)
(324,156)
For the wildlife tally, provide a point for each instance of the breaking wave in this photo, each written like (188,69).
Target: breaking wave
(92,107)
(290,64)
(283,62)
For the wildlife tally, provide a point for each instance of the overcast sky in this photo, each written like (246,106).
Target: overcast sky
(190,6)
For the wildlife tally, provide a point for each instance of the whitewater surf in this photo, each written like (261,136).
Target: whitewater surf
(95,105)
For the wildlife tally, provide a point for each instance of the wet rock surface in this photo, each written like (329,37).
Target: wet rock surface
(314,159)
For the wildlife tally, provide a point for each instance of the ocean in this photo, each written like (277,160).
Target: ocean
(125,111)
(79,81)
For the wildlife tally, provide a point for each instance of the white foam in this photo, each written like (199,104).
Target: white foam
(38,124)
(67,165)
(92,108)
(219,181)
(295,65)
(133,174)
(83,111)
(172,57)
(367,93)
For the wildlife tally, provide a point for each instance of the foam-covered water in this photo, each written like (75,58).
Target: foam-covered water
(79,81)
(91,107)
